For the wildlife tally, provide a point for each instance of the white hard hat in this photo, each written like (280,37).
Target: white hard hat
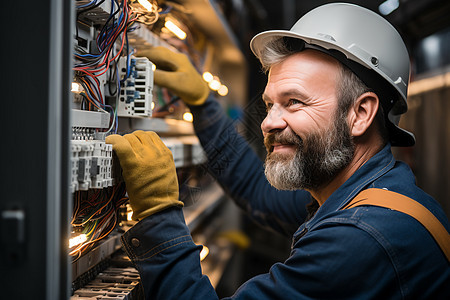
(364,42)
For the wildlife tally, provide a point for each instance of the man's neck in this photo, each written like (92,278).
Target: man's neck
(363,152)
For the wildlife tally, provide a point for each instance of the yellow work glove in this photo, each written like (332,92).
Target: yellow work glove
(149,172)
(175,72)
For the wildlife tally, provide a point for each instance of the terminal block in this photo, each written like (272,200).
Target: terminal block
(101,165)
(186,150)
(176,147)
(91,165)
(135,99)
(84,164)
(119,283)
(75,151)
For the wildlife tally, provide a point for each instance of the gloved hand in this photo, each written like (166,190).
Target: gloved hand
(175,72)
(149,172)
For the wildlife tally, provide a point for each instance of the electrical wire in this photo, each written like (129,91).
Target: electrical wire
(90,66)
(96,211)
(96,214)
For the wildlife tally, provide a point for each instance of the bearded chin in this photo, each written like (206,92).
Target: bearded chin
(282,171)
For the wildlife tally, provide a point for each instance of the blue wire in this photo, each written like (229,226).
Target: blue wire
(119,87)
(116,124)
(128,56)
(88,4)
(112,7)
(93,98)
(94,86)
(89,55)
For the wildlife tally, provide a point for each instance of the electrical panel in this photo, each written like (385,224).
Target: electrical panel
(113,92)
(135,97)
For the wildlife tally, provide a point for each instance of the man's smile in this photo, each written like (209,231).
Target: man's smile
(282,148)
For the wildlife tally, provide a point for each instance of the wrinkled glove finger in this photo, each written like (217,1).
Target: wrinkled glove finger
(121,147)
(153,139)
(139,148)
(156,141)
(148,139)
(167,79)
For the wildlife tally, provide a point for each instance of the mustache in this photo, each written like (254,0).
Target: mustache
(285,137)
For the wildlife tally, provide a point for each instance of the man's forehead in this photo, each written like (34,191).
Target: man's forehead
(307,68)
(311,56)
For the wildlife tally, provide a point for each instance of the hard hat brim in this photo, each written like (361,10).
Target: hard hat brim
(399,137)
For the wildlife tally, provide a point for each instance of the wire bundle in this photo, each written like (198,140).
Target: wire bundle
(95,214)
(110,43)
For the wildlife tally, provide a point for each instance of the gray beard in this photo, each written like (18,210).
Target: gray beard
(316,162)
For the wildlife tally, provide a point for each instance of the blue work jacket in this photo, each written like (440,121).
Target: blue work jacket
(365,252)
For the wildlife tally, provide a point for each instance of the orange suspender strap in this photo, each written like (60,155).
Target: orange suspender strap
(401,203)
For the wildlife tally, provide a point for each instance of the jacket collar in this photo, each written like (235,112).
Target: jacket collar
(377,166)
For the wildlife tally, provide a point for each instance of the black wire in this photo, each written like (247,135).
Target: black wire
(112,78)
(112,16)
(84,102)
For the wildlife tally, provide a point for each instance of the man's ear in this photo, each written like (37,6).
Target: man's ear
(363,113)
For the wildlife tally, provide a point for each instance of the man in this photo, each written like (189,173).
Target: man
(335,82)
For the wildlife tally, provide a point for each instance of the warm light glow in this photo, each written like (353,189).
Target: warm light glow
(214,84)
(152,105)
(208,76)
(204,253)
(429,84)
(153,67)
(76,87)
(130,215)
(187,116)
(223,90)
(148,6)
(77,240)
(175,29)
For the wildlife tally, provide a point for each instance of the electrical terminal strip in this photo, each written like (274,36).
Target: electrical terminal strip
(136,96)
(83,133)
(101,166)
(75,150)
(91,165)
(84,163)
(113,283)
(186,151)
(196,154)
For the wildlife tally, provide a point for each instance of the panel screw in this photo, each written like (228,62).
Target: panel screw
(374,61)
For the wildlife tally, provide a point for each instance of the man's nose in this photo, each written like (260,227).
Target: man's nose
(274,120)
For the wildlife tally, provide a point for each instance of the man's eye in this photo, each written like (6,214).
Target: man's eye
(295,102)
(268,106)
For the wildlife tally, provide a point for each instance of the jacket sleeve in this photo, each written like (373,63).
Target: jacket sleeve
(168,261)
(325,263)
(240,172)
